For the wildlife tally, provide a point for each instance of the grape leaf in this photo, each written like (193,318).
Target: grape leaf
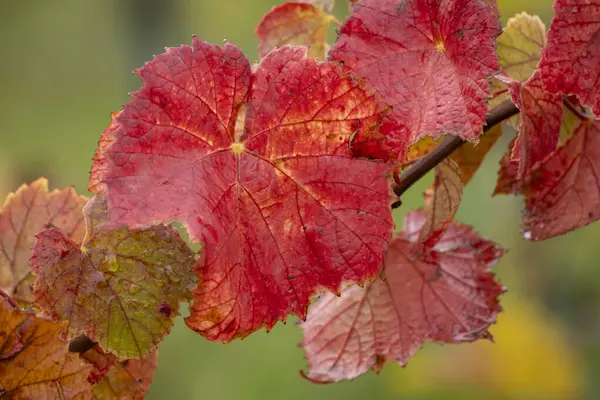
(127,380)
(445,295)
(564,190)
(294,23)
(571,59)
(539,129)
(442,200)
(35,362)
(256,166)
(122,288)
(519,49)
(24,214)
(430,60)
(520,46)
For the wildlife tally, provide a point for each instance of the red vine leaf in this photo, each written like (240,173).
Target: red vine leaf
(127,380)
(539,129)
(35,362)
(442,200)
(446,295)
(255,165)
(25,213)
(294,23)
(116,287)
(564,190)
(570,62)
(430,60)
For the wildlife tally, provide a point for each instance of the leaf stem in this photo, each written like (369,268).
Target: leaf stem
(412,174)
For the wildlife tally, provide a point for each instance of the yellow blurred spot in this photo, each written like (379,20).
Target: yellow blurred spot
(531,358)
(237,147)
(439,46)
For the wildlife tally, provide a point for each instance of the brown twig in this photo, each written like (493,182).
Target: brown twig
(420,168)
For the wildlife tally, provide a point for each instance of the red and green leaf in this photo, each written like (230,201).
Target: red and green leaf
(122,288)
(256,166)
(35,362)
(429,59)
(26,212)
(444,295)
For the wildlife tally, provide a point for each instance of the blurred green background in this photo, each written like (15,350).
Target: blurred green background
(66,65)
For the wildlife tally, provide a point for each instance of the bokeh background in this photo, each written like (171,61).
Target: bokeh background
(65,65)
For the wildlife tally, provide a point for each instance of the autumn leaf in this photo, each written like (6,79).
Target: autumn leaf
(24,214)
(571,59)
(126,380)
(294,23)
(540,124)
(256,166)
(122,288)
(429,59)
(445,295)
(520,46)
(442,200)
(519,49)
(564,190)
(35,362)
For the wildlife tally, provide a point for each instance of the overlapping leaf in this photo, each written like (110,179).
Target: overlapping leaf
(23,215)
(520,46)
(256,166)
(126,380)
(35,362)
(294,23)
(122,288)
(430,60)
(443,295)
(519,49)
(442,200)
(539,129)
(570,62)
(564,190)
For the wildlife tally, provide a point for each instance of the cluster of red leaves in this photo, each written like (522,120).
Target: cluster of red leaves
(282,172)
(553,162)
